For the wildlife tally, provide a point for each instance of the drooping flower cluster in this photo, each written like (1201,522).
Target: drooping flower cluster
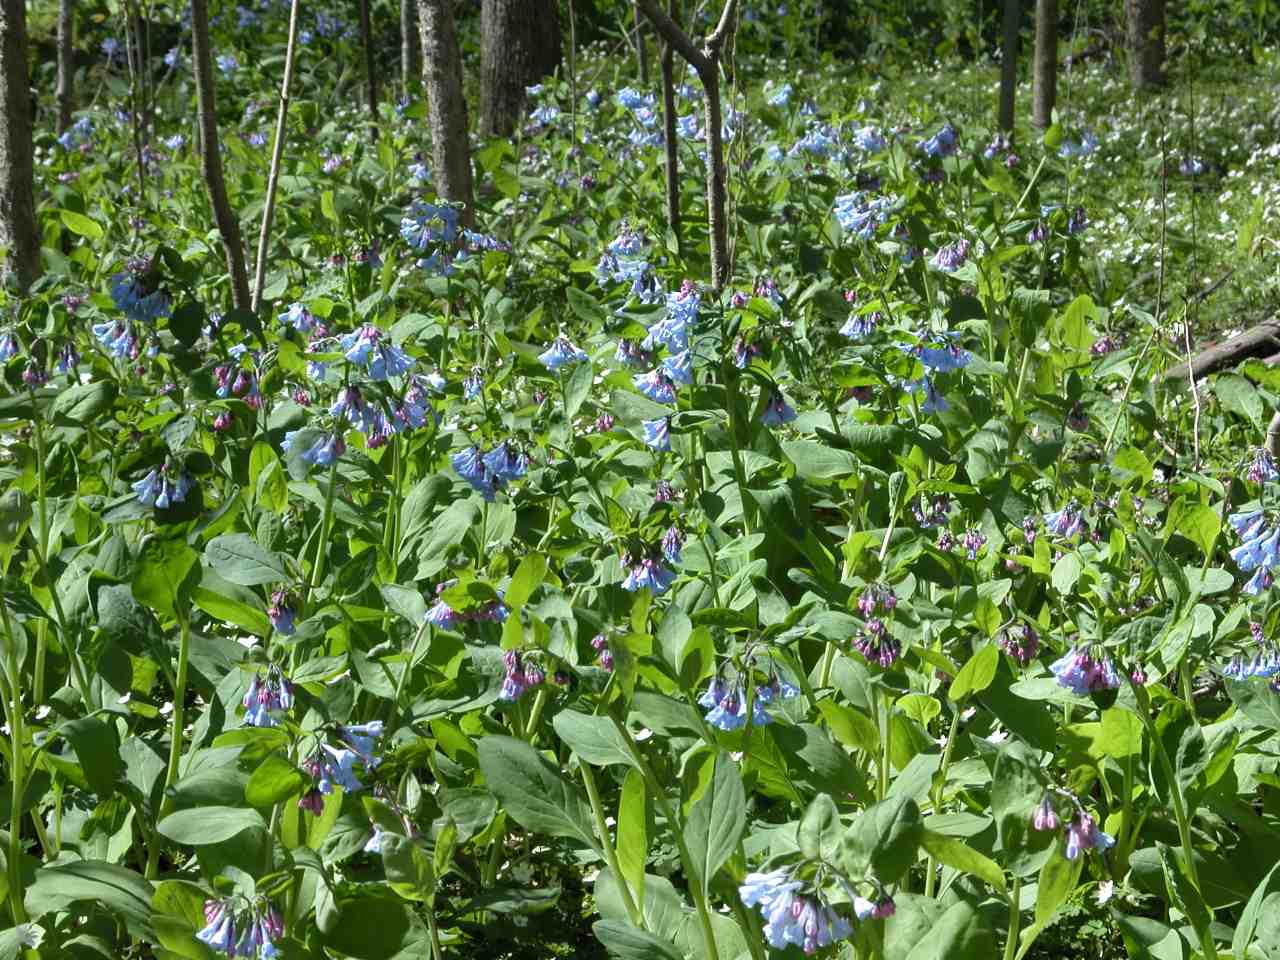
(806,920)
(244,384)
(932,512)
(135,292)
(521,676)
(337,764)
(726,701)
(600,644)
(1264,664)
(877,603)
(368,348)
(441,615)
(1067,522)
(240,928)
(560,353)
(647,569)
(1021,642)
(163,486)
(490,472)
(1082,831)
(282,612)
(1262,467)
(1259,553)
(623,262)
(265,696)
(944,143)
(1083,671)
(862,214)
(323,451)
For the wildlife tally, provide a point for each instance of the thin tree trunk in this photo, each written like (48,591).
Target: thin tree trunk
(1009,64)
(442,75)
(671,144)
(277,151)
(66,61)
(211,156)
(1146,43)
(18,232)
(642,51)
(371,79)
(519,45)
(408,44)
(133,56)
(1045,93)
(706,62)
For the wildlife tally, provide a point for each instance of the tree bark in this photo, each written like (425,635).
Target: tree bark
(371,78)
(442,75)
(1009,64)
(18,232)
(66,61)
(408,44)
(671,145)
(1146,43)
(1045,92)
(519,45)
(706,61)
(211,155)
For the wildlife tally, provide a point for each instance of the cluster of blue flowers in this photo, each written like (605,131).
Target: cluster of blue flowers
(623,262)
(1083,671)
(441,615)
(163,486)
(490,472)
(242,929)
(862,214)
(76,135)
(806,921)
(336,765)
(1259,552)
(134,296)
(267,696)
(726,701)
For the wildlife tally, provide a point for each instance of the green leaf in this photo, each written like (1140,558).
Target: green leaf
(594,739)
(635,826)
(119,890)
(201,826)
(1239,396)
(232,611)
(817,461)
(976,674)
(377,927)
(1057,882)
(1249,919)
(577,387)
(274,780)
(626,942)
(716,821)
(820,829)
(82,403)
(1257,701)
(883,839)
(955,853)
(1066,572)
(1199,523)
(526,579)
(405,601)
(924,929)
(81,225)
(163,572)
(95,745)
(238,558)
(532,791)
(408,868)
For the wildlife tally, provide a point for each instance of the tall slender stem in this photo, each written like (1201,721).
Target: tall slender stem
(1015,919)
(175,737)
(277,152)
(17,768)
(610,855)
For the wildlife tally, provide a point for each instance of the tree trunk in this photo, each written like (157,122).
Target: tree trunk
(1045,93)
(671,144)
(408,44)
(519,45)
(371,78)
(1146,43)
(18,232)
(66,61)
(1009,64)
(442,75)
(211,155)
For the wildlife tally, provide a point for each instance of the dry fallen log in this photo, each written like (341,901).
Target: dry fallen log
(1262,340)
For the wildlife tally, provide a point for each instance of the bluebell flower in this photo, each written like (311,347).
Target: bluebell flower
(648,573)
(593,99)
(338,769)
(274,693)
(1083,673)
(227,64)
(818,142)
(116,338)
(862,214)
(8,345)
(282,613)
(173,59)
(134,299)
(689,128)
(1191,167)
(350,405)
(76,134)
(161,490)
(774,153)
(869,140)
(672,544)
(951,257)
(470,466)
(1066,522)
(941,144)
(299,317)
(560,353)
(679,368)
(374,844)
(631,99)
(176,142)
(1087,144)
(506,461)
(777,411)
(1083,834)
(219,931)
(656,385)
(441,615)
(322,453)
(545,115)
(419,172)
(725,703)
(860,325)
(782,96)
(657,433)
(1265,664)
(934,402)
(388,361)
(429,223)
(363,738)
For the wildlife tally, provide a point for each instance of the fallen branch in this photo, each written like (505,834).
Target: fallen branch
(1260,341)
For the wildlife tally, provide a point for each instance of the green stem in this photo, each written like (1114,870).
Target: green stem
(322,552)
(535,713)
(1015,919)
(433,927)
(175,739)
(886,744)
(17,771)
(939,784)
(828,659)
(739,471)
(610,855)
(711,951)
